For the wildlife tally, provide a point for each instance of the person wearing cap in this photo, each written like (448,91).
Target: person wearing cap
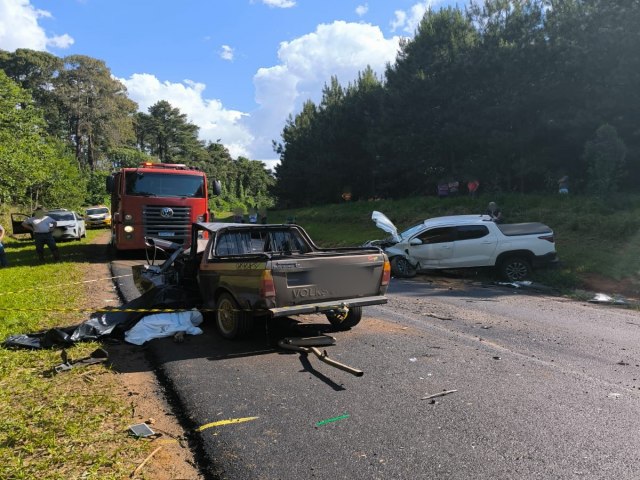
(42,225)
(494,212)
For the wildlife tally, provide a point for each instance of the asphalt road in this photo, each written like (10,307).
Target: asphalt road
(546,388)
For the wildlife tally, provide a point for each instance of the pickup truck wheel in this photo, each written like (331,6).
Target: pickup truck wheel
(515,269)
(401,268)
(231,321)
(351,320)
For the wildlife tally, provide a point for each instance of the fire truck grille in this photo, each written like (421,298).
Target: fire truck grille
(172,223)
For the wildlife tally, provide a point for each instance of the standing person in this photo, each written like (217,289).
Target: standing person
(494,212)
(42,225)
(563,185)
(3,255)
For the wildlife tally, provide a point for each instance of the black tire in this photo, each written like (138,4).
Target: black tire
(351,320)
(401,268)
(231,322)
(514,269)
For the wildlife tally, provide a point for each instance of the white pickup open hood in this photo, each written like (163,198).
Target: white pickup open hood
(383,223)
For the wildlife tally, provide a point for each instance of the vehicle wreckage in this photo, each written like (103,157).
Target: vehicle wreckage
(467,241)
(248,271)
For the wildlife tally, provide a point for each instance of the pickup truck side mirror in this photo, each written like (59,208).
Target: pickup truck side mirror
(415,241)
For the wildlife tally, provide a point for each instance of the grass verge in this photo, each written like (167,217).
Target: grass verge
(65,426)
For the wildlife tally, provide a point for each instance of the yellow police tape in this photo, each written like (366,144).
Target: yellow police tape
(63,285)
(225,422)
(106,310)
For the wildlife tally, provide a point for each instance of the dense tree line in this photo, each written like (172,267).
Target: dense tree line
(66,123)
(515,93)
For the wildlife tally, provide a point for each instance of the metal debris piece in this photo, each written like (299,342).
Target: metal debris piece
(441,394)
(604,298)
(309,344)
(141,430)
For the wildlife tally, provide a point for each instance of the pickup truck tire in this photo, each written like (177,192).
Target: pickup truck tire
(514,269)
(230,320)
(401,268)
(351,320)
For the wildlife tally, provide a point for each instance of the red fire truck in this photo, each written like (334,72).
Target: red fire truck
(159,200)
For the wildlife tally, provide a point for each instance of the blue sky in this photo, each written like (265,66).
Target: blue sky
(237,68)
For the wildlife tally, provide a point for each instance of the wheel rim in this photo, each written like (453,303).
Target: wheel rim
(226,316)
(403,266)
(516,270)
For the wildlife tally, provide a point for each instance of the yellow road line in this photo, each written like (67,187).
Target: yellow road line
(225,422)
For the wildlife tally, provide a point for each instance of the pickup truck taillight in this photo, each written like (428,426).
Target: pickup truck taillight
(267,288)
(548,238)
(386,274)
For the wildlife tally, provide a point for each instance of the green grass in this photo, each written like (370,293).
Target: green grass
(73,425)
(70,425)
(593,236)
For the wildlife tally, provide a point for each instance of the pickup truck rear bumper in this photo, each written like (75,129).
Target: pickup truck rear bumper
(327,306)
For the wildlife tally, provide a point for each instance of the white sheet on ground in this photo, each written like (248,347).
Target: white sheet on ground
(162,325)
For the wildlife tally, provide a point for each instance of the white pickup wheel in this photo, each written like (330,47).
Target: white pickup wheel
(401,268)
(515,269)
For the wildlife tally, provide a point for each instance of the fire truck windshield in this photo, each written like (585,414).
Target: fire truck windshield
(164,185)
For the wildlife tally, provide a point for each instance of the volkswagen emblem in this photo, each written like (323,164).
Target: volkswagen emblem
(166,212)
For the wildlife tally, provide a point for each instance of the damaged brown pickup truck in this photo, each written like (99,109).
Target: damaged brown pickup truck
(246,271)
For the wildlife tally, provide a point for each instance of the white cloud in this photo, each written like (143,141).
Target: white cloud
(60,41)
(226,53)
(307,64)
(362,9)
(215,121)
(280,3)
(409,21)
(19,27)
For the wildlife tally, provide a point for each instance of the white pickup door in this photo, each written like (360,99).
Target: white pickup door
(454,247)
(432,246)
(474,246)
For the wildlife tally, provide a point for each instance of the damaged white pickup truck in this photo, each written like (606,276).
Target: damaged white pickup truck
(465,241)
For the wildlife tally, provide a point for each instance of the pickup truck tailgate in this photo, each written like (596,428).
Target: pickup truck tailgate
(301,280)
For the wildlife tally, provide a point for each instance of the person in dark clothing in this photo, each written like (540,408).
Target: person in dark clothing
(494,212)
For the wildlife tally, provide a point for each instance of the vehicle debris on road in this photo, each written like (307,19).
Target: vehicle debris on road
(440,394)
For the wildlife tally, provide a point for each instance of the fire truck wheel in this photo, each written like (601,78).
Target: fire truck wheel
(230,320)
(351,320)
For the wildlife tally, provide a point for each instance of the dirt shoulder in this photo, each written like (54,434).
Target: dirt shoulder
(138,384)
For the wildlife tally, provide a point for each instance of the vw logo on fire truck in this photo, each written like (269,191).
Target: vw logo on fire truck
(166,212)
